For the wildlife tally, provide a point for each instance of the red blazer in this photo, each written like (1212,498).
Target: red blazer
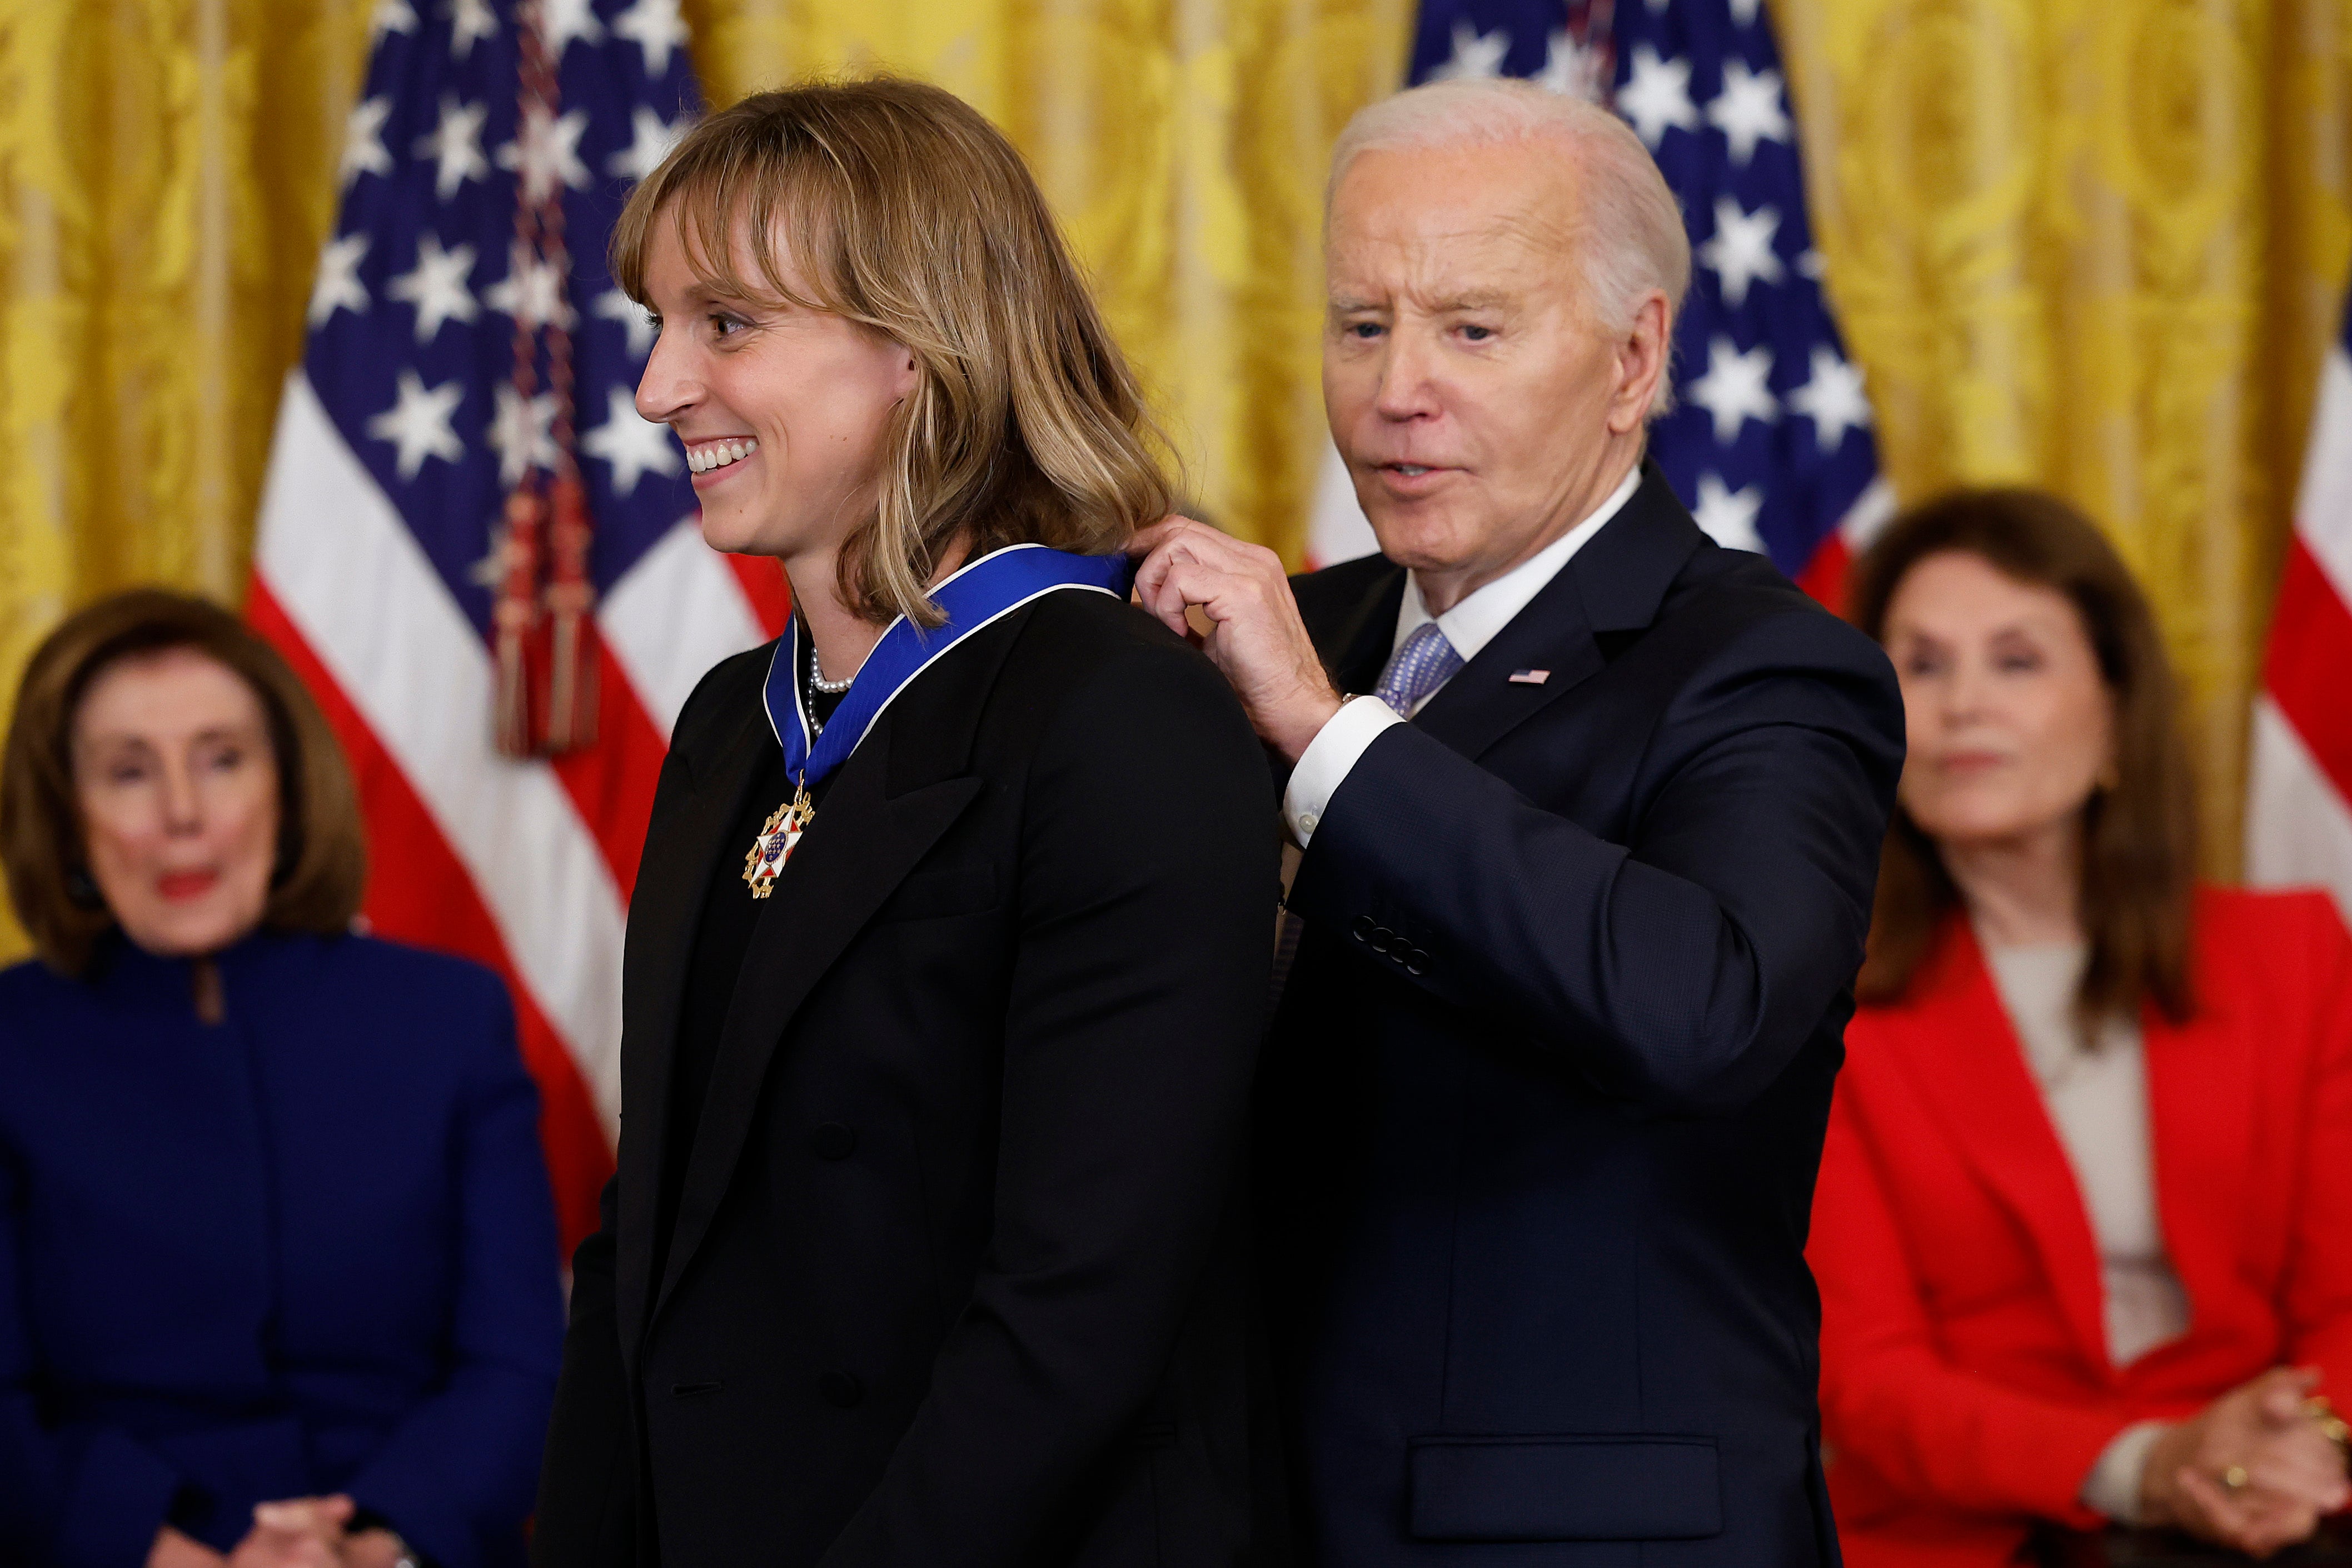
(1964,1381)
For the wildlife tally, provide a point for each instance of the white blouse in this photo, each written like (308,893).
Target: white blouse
(2096,1095)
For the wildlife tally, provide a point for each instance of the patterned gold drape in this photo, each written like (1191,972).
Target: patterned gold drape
(2097,243)
(167,170)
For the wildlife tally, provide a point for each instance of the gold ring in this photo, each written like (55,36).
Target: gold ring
(2234,1477)
(2331,1425)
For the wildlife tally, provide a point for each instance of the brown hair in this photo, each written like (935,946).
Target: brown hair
(322,852)
(2139,837)
(902,208)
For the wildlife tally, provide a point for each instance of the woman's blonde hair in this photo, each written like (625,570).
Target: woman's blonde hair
(900,207)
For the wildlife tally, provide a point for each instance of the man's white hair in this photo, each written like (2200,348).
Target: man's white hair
(1630,233)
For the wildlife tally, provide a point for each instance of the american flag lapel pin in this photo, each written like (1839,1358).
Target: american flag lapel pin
(1530,677)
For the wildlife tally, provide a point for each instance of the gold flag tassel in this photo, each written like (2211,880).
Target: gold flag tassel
(574,652)
(546,635)
(514,620)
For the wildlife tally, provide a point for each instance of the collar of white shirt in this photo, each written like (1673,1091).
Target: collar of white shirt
(1484,611)
(1469,626)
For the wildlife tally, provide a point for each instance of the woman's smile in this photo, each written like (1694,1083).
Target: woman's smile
(711,461)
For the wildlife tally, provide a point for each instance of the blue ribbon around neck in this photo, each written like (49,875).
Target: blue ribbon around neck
(988,589)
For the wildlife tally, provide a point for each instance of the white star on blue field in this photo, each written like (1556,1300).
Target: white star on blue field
(419,296)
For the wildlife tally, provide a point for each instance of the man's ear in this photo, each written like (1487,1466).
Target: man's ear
(1642,356)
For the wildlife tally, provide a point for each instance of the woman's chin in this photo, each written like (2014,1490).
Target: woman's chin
(169,930)
(730,532)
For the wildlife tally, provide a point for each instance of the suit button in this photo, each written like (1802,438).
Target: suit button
(1381,937)
(842,1389)
(1416,962)
(1363,928)
(834,1140)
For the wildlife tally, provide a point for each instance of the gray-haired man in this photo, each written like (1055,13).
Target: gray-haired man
(1584,889)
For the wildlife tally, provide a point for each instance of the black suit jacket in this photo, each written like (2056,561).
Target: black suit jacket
(955,1278)
(1546,1087)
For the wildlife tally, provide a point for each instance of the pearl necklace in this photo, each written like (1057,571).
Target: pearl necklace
(818,683)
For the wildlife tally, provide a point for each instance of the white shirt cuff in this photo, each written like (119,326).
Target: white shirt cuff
(1323,765)
(2113,1486)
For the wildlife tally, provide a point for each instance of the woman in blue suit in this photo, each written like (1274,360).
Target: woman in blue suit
(277,1260)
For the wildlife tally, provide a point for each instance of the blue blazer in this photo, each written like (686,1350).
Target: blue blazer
(1544,1100)
(308,1249)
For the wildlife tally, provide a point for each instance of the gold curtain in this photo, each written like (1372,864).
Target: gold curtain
(2098,246)
(2095,244)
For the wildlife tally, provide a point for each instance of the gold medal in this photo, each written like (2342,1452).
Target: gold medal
(778,836)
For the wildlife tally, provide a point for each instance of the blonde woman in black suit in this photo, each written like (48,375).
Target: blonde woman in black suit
(920,1249)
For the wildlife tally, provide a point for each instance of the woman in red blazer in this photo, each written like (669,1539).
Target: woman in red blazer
(2085,1252)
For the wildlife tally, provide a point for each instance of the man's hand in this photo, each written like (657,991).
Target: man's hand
(1256,637)
(2252,1472)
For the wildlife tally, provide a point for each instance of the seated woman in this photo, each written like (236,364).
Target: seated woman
(2083,1230)
(950,950)
(277,1258)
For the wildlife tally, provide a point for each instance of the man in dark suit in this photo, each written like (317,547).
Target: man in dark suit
(1583,891)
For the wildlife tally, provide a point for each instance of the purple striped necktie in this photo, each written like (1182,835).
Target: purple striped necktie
(1417,668)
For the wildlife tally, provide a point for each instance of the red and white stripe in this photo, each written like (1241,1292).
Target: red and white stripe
(2299,789)
(1825,576)
(523,866)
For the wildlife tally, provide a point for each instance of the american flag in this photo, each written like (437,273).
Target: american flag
(469,355)
(2299,798)
(1770,443)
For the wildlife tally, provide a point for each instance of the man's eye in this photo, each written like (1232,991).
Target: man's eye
(723,325)
(1364,330)
(1477,334)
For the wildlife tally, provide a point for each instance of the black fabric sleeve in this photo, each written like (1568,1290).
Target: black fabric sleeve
(1684,968)
(1144,904)
(587,1485)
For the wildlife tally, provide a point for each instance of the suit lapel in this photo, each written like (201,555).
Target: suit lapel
(1964,1057)
(683,851)
(863,845)
(2201,1112)
(1360,645)
(1482,704)
(1615,583)
(905,787)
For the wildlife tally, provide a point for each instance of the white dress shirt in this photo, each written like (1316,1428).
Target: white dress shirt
(1469,626)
